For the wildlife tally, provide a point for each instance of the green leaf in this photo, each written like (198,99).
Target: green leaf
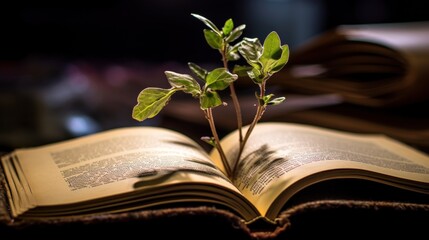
(200,72)
(271,48)
(251,50)
(282,61)
(210,99)
(150,102)
(219,79)
(276,101)
(213,39)
(209,140)
(256,75)
(235,34)
(227,28)
(274,56)
(232,53)
(267,100)
(183,82)
(241,71)
(207,22)
(233,56)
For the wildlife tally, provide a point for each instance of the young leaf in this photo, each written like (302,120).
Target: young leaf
(251,50)
(227,28)
(184,82)
(276,101)
(235,34)
(256,75)
(271,46)
(199,71)
(241,71)
(208,23)
(213,39)
(232,53)
(209,140)
(282,61)
(267,100)
(274,56)
(150,102)
(219,79)
(210,99)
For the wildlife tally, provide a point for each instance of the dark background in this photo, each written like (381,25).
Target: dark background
(164,30)
(69,68)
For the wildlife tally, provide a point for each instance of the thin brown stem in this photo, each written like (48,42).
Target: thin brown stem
(209,116)
(237,111)
(234,98)
(258,115)
(236,104)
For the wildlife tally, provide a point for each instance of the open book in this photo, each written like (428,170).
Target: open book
(385,64)
(145,167)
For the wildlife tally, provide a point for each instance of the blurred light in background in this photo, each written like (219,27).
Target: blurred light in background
(72,67)
(79,124)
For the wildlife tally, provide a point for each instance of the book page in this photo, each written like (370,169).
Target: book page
(110,163)
(369,64)
(279,155)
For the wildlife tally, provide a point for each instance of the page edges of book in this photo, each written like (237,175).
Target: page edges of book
(35,158)
(270,127)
